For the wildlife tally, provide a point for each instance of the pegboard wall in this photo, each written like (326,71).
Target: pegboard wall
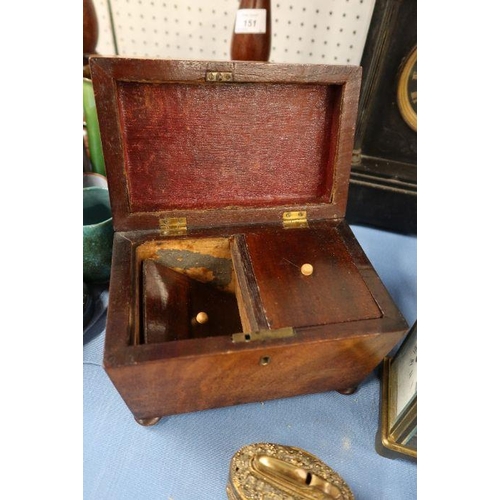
(303,31)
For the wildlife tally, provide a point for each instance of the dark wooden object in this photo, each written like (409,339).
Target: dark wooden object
(206,163)
(253,46)
(90,30)
(383,186)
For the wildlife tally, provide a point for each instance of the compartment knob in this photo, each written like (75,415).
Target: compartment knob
(307,269)
(202,318)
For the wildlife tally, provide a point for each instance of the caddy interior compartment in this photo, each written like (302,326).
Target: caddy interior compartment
(204,287)
(188,290)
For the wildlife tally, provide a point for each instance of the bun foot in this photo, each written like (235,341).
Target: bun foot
(348,391)
(146,422)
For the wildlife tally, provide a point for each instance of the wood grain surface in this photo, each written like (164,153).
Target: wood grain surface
(335,291)
(195,373)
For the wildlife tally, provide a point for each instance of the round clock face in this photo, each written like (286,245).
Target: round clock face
(407,90)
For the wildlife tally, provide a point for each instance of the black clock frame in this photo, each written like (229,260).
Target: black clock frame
(383,183)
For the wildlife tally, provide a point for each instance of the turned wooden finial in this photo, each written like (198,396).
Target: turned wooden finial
(90,28)
(251,39)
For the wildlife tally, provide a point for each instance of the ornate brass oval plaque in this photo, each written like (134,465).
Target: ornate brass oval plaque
(275,472)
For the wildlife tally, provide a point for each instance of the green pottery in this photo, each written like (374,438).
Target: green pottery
(94,135)
(97,235)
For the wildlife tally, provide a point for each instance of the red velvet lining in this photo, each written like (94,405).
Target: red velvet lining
(211,146)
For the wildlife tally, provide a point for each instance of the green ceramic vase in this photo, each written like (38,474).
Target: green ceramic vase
(97,235)
(94,135)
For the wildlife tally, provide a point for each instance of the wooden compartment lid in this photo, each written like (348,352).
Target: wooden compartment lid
(224,143)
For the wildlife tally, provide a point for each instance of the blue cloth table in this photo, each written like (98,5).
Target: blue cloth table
(186,457)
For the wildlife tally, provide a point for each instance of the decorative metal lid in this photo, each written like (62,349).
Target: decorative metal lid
(266,471)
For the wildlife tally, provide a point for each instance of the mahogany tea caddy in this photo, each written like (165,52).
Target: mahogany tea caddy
(235,277)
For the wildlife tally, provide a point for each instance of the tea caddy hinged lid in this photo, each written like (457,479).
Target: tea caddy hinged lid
(207,143)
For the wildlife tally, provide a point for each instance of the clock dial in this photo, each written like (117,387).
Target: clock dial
(405,370)
(399,398)
(407,90)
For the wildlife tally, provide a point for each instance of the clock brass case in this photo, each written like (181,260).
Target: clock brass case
(272,471)
(398,426)
(407,94)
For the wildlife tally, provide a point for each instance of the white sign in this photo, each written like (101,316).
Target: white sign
(250,21)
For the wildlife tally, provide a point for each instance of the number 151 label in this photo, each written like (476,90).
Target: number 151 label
(250,21)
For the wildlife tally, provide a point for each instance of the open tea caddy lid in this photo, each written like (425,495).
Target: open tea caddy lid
(220,143)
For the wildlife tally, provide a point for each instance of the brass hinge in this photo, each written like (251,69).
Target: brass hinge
(219,76)
(173,226)
(280,333)
(295,219)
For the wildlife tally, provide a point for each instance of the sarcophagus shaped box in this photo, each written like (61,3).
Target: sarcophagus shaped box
(235,277)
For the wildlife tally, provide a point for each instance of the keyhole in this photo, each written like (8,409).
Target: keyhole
(265,360)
